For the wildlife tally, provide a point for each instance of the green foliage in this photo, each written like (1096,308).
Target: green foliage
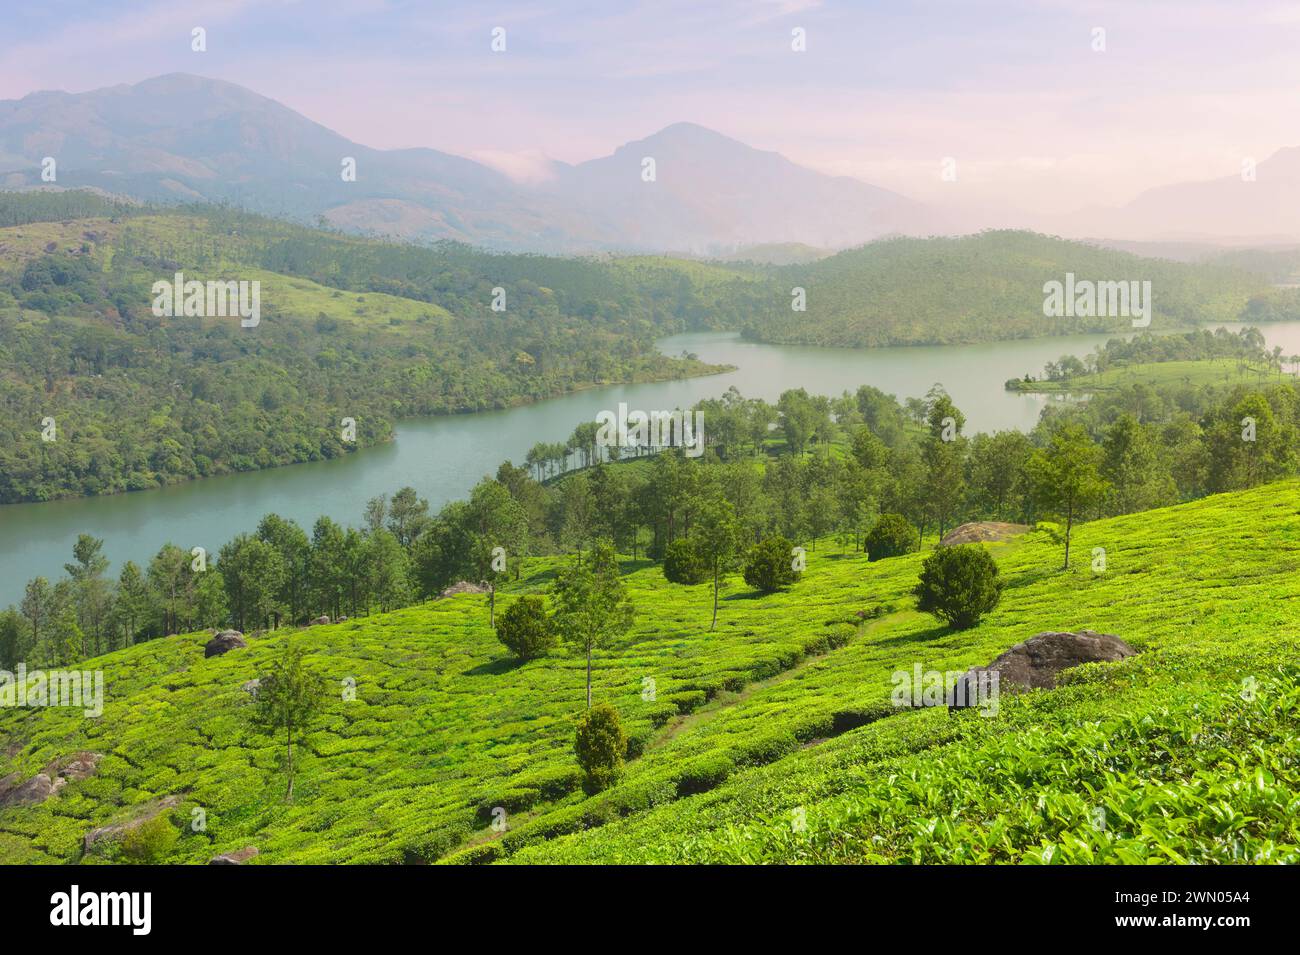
(684,563)
(959,585)
(289,700)
(600,745)
(770,566)
(150,842)
(525,628)
(891,536)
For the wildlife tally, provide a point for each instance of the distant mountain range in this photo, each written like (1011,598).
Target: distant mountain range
(185,137)
(181,137)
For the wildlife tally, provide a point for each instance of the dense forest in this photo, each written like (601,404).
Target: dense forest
(990,286)
(853,467)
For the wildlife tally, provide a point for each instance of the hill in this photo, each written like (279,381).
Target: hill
(1188,750)
(990,286)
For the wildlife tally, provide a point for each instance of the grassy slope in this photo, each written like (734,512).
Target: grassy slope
(1209,371)
(444,723)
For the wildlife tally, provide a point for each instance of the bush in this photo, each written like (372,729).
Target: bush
(600,745)
(683,563)
(705,773)
(150,842)
(891,537)
(770,565)
(525,628)
(959,585)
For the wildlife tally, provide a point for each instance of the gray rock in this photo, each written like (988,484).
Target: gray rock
(238,857)
(224,642)
(1035,664)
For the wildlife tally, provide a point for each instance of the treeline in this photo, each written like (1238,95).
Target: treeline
(803,470)
(1246,345)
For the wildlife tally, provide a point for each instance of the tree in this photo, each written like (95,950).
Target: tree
(944,454)
(1064,477)
(93,593)
(525,628)
(134,604)
(36,608)
(253,574)
(11,639)
(328,570)
(290,542)
(498,533)
(1133,464)
(600,745)
(390,570)
(684,564)
(591,602)
(771,565)
(407,515)
(717,536)
(289,699)
(892,536)
(959,585)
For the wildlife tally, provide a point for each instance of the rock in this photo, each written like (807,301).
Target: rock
(320,621)
(1035,663)
(977,531)
(342,619)
(77,766)
(238,857)
(463,587)
(116,830)
(224,642)
(33,792)
(251,687)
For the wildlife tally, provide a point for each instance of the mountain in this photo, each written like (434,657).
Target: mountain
(185,137)
(1227,210)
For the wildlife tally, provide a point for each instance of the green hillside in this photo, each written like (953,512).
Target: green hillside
(1190,748)
(988,287)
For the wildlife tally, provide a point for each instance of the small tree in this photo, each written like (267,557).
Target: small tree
(289,700)
(959,585)
(891,537)
(718,536)
(1065,477)
(591,603)
(684,564)
(600,746)
(771,565)
(525,628)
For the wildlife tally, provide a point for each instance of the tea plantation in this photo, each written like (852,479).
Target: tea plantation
(771,739)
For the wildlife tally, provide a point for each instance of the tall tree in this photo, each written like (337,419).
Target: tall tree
(1065,478)
(592,606)
(289,699)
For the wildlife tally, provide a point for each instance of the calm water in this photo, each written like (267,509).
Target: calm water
(444,457)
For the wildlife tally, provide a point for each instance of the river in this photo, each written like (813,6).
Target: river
(443,457)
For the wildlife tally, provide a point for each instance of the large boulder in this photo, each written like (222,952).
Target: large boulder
(320,621)
(31,792)
(979,531)
(14,791)
(238,857)
(224,642)
(1035,664)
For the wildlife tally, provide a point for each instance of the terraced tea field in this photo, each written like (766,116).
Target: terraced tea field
(771,739)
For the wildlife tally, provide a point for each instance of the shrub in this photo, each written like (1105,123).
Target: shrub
(600,745)
(959,585)
(839,635)
(891,537)
(704,774)
(770,565)
(525,628)
(151,841)
(684,564)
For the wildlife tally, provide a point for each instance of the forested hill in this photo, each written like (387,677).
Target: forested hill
(349,328)
(989,286)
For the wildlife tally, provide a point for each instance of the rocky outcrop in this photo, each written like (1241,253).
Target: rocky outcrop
(140,816)
(320,621)
(1036,663)
(238,857)
(463,587)
(15,791)
(224,642)
(978,531)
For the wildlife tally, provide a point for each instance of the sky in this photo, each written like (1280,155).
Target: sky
(1039,110)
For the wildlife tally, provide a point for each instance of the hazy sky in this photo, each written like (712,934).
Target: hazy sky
(1014,91)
